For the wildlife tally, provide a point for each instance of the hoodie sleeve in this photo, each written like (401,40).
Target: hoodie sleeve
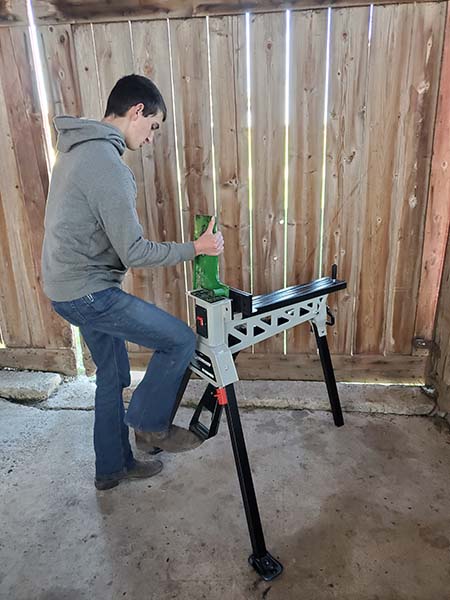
(111,193)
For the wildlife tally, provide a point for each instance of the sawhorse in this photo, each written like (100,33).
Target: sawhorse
(226,326)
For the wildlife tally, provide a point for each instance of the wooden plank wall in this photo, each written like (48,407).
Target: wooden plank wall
(267,58)
(437,238)
(345,195)
(229,91)
(400,117)
(308,68)
(365,207)
(438,216)
(33,335)
(58,11)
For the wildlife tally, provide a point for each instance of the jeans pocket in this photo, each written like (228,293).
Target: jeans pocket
(69,311)
(100,302)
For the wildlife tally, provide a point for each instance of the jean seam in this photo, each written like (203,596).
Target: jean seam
(81,317)
(120,388)
(146,408)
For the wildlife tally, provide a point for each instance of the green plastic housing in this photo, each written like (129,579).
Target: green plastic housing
(206,268)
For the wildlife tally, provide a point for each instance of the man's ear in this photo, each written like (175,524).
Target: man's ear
(136,110)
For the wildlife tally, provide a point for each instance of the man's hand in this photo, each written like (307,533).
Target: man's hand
(209,243)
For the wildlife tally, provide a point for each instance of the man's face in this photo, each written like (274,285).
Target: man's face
(142,129)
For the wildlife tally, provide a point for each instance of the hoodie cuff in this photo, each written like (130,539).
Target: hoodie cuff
(188,251)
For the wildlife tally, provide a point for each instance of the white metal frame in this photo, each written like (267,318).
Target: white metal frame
(214,358)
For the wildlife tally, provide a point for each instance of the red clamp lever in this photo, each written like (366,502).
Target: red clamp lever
(221,396)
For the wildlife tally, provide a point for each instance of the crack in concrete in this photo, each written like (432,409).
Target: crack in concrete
(248,406)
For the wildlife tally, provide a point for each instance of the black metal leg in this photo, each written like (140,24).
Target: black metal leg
(261,560)
(330,379)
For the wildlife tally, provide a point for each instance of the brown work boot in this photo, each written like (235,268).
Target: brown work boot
(175,439)
(140,470)
(143,469)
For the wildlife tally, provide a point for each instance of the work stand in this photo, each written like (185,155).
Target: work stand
(225,327)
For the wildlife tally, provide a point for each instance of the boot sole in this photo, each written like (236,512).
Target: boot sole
(147,447)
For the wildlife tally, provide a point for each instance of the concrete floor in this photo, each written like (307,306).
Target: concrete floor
(356,513)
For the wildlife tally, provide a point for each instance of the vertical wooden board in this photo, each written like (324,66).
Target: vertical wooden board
(25,168)
(15,331)
(344,200)
(114,59)
(192,112)
(415,130)
(86,64)
(307,98)
(438,208)
(60,68)
(114,55)
(229,101)
(267,59)
(162,214)
(34,182)
(390,43)
(267,71)
(24,61)
(188,40)
(92,101)
(26,217)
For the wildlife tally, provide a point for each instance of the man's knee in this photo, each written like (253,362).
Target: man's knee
(183,345)
(190,340)
(186,340)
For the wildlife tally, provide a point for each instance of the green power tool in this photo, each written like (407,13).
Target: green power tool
(206,268)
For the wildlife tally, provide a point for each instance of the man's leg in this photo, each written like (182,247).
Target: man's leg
(112,447)
(127,317)
(125,380)
(152,403)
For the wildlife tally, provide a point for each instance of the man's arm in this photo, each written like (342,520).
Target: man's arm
(113,202)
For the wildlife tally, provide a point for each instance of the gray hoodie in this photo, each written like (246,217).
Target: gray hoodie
(92,231)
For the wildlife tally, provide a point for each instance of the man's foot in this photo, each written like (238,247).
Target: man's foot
(141,470)
(175,439)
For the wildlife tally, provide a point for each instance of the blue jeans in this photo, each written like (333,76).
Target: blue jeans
(106,319)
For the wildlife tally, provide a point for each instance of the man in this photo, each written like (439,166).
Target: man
(92,236)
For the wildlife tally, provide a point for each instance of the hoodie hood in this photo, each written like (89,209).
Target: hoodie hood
(73,131)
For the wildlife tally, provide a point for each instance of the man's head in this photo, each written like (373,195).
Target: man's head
(136,107)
